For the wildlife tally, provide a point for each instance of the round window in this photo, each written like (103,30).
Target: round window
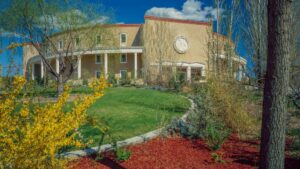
(181,44)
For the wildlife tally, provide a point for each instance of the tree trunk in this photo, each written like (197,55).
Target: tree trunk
(60,85)
(276,85)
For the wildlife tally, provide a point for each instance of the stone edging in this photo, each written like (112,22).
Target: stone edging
(130,141)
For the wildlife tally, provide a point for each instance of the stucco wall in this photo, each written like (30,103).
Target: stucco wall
(110,37)
(197,36)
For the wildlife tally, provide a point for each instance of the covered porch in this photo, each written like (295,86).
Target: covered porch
(192,72)
(92,64)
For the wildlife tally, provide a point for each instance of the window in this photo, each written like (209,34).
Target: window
(123,58)
(98,40)
(196,73)
(123,74)
(77,41)
(123,39)
(60,44)
(98,59)
(181,75)
(97,74)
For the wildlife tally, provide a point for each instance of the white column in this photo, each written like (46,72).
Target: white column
(105,65)
(203,70)
(188,73)
(135,65)
(57,65)
(32,71)
(79,67)
(42,69)
(240,72)
(231,66)
(244,72)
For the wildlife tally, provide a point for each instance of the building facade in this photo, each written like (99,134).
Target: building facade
(154,50)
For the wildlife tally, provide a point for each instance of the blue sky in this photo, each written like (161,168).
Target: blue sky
(133,11)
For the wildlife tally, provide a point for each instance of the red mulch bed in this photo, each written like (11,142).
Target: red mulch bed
(181,153)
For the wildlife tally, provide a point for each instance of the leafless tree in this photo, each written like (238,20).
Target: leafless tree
(254,32)
(159,47)
(222,44)
(40,23)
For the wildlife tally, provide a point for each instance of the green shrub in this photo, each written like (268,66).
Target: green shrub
(123,154)
(215,134)
(111,79)
(124,82)
(203,122)
(177,81)
(42,81)
(189,130)
(227,101)
(85,82)
(218,158)
(207,127)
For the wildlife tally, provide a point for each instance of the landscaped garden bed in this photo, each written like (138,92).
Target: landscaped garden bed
(182,153)
(204,148)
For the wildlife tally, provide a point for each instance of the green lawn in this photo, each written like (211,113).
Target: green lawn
(51,92)
(131,111)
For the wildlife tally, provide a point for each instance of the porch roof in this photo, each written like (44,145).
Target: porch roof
(136,49)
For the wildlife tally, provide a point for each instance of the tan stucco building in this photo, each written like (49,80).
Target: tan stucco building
(160,46)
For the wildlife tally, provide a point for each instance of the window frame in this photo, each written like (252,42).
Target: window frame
(123,70)
(100,61)
(98,44)
(97,71)
(123,44)
(60,44)
(125,54)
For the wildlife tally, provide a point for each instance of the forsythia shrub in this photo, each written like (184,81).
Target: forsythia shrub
(31,137)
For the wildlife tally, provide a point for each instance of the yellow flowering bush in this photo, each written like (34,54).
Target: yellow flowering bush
(31,136)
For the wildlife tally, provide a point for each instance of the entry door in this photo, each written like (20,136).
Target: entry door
(37,71)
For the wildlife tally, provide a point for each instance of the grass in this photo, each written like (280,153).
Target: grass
(130,112)
(51,92)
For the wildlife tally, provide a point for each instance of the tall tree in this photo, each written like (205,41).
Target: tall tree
(221,50)
(295,59)
(255,33)
(218,5)
(276,85)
